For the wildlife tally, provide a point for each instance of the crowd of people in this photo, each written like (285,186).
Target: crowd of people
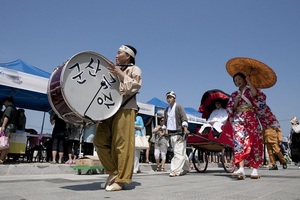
(12,119)
(252,121)
(63,145)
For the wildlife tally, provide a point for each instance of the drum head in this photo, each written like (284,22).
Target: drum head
(89,89)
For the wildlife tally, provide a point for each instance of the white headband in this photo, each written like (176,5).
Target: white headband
(127,50)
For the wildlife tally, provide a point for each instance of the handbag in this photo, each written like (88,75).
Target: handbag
(3,141)
(153,138)
(141,142)
(296,128)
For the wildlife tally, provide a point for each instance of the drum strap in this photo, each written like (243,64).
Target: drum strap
(127,100)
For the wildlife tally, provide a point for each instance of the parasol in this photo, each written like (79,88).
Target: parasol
(208,101)
(260,74)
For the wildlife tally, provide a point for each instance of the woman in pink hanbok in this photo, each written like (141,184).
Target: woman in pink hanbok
(248,139)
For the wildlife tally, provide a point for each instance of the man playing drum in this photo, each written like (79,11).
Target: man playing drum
(114,137)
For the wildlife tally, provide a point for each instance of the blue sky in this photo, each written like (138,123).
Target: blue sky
(182,45)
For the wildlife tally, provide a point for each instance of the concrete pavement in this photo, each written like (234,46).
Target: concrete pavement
(215,183)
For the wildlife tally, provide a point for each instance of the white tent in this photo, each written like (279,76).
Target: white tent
(146,109)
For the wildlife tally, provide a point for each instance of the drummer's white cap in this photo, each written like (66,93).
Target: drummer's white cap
(172,94)
(127,50)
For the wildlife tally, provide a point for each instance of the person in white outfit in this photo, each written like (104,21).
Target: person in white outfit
(176,125)
(216,120)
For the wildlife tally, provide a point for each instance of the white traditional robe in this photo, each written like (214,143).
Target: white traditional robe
(218,115)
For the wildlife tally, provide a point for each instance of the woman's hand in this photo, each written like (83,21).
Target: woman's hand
(252,88)
(248,80)
(237,99)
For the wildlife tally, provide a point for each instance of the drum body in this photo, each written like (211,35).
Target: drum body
(83,89)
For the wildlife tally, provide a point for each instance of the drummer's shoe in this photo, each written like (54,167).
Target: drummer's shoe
(254,174)
(109,181)
(115,187)
(239,174)
(274,167)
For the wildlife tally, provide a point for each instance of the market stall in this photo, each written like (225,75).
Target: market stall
(27,85)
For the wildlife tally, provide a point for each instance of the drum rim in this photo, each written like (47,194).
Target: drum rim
(53,107)
(49,92)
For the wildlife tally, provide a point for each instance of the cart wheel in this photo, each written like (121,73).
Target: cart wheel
(200,160)
(227,159)
(79,172)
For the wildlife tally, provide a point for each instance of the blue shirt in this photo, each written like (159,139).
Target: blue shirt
(139,122)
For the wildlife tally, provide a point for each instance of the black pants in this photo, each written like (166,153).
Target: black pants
(73,146)
(58,140)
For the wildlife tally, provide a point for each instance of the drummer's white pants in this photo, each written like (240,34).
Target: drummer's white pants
(180,161)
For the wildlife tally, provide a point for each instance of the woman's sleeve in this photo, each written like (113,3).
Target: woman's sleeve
(259,101)
(230,104)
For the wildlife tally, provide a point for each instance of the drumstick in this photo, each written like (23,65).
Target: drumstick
(103,83)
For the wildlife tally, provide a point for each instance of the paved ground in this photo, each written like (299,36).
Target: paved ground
(213,184)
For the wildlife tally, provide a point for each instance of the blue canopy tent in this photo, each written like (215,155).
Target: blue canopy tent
(159,107)
(26,84)
(194,118)
(158,103)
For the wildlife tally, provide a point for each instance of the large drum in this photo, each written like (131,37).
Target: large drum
(83,89)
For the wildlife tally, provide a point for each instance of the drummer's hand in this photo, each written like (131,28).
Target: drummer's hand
(112,68)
